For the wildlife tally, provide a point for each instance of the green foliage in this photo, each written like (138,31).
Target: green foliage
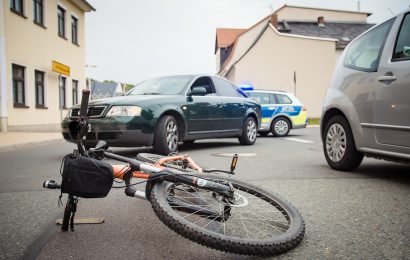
(314,121)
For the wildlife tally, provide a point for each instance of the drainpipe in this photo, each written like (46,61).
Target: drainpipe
(3,71)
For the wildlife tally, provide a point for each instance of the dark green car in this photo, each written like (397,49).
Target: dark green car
(163,112)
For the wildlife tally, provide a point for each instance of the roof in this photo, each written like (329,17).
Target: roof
(226,36)
(343,32)
(83,5)
(323,9)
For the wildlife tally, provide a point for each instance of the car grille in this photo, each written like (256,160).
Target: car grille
(92,111)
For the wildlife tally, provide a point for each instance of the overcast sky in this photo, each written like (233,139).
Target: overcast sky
(133,40)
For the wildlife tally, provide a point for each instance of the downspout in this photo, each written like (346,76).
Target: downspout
(3,71)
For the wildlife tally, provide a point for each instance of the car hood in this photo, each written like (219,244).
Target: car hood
(140,100)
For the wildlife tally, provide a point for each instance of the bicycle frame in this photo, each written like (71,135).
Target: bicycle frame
(119,170)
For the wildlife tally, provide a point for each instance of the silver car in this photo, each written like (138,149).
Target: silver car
(367,106)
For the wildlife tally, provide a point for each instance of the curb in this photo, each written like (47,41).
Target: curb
(29,144)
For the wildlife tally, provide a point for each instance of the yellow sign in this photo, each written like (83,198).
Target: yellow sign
(61,68)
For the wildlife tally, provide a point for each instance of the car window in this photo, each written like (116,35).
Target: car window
(225,88)
(364,53)
(204,82)
(173,85)
(402,48)
(282,99)
(262,98)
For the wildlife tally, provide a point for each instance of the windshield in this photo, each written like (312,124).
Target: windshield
(174,85)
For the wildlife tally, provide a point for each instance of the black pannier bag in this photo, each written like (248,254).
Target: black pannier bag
(86,177)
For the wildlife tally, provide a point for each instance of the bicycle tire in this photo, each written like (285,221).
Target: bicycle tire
(189,226)
(154,158)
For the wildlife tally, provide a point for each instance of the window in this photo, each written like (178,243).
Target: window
(402,48)
(282,99)
(75,92)
(62,92)
(225,88)
(17,6)
(38,12)
(74,30)
(39,88)
(364,53)
(204,82)
(262,98)
(61,21)
(18,86)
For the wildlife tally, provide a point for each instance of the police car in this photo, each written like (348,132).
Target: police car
(281,111)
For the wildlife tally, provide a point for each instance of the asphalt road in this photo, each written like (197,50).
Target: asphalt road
(363,214)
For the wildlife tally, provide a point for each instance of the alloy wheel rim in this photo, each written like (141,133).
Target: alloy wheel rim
(336,143)
(251,130)
(281,127)
(172,136)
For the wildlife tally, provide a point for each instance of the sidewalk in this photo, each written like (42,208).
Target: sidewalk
(16,140)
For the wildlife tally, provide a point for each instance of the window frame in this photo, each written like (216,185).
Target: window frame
(61,20)
(406,15)
(74,93)
(391,21)
(40,4)
(15,10)
(74,30)
(38,84)
(22,80)
(62,96)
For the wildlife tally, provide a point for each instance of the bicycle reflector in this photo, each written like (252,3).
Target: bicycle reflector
(233,163)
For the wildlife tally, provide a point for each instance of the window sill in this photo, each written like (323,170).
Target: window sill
(76,44)
(39,24)
(41,107)
(18,13)
(63,37)
(20,106)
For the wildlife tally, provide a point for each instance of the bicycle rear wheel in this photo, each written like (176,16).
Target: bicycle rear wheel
(257,223)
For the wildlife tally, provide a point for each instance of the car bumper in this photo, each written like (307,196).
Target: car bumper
(121,132)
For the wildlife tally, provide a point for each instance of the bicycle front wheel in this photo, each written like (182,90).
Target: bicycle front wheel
(256,223)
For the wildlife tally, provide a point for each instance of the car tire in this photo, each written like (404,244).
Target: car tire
(280,127)
(339,146)
(166,136)
(249,133)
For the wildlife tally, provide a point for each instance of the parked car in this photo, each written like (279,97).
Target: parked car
(367,106)
(281,111)
(164,111)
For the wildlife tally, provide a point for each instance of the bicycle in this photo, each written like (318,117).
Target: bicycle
(204,205)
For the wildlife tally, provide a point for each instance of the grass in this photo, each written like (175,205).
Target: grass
(314,121)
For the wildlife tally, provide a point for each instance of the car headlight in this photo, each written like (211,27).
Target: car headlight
(124,111)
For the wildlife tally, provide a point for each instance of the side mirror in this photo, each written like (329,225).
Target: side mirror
(198,91)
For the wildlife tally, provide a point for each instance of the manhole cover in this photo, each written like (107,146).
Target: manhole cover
(232,154)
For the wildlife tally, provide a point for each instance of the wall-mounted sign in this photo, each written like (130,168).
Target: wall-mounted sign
(60,68)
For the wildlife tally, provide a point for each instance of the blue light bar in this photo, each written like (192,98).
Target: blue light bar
(246,87)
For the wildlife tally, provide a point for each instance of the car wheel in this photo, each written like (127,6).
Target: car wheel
(339,147)
(166,136)
(280,127)
(249,132)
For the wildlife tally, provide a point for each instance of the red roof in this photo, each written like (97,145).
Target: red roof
(226,36)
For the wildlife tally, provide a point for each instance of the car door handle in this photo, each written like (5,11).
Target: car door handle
(387,78)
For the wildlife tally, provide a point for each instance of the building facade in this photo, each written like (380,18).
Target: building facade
(295,50)
(42,61)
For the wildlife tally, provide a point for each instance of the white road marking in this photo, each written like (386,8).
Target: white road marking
(299,140)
